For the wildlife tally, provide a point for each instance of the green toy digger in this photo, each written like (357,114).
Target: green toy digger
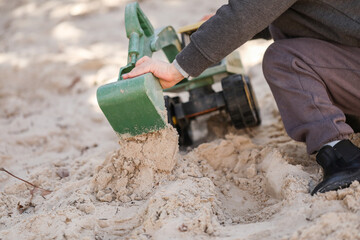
(137,106)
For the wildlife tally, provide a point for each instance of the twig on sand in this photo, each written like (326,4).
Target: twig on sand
(44,192)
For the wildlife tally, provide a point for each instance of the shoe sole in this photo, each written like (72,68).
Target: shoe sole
(337,181)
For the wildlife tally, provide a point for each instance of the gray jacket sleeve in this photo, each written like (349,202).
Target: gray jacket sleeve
(231,26)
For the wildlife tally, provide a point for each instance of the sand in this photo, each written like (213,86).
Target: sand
(236,184)
(132,171)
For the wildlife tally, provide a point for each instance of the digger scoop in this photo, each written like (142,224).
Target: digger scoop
(136,106)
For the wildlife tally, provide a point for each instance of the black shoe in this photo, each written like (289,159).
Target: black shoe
(341,165)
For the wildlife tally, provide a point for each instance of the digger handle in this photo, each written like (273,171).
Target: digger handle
(143,40)
(136,21)
(139,30)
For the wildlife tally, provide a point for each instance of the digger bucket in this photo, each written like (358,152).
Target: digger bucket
(136,106)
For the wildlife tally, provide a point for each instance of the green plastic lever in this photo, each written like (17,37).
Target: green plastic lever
(143,40)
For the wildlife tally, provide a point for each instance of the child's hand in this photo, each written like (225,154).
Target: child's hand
(166,72)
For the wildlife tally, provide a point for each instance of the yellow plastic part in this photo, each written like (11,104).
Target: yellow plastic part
(190,28)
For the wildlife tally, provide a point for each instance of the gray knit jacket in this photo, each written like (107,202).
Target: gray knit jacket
(238,21)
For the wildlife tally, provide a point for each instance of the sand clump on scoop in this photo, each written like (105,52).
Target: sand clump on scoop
(131,172)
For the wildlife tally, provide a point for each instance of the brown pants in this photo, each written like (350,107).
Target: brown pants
(314,83)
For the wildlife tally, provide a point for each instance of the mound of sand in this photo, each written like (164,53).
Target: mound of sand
(131,172)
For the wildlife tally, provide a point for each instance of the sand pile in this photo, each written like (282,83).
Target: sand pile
(131,172)
(240,184)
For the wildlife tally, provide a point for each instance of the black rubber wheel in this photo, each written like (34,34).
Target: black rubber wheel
(240,101)
(254,100)
(182,127)
(354,122)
